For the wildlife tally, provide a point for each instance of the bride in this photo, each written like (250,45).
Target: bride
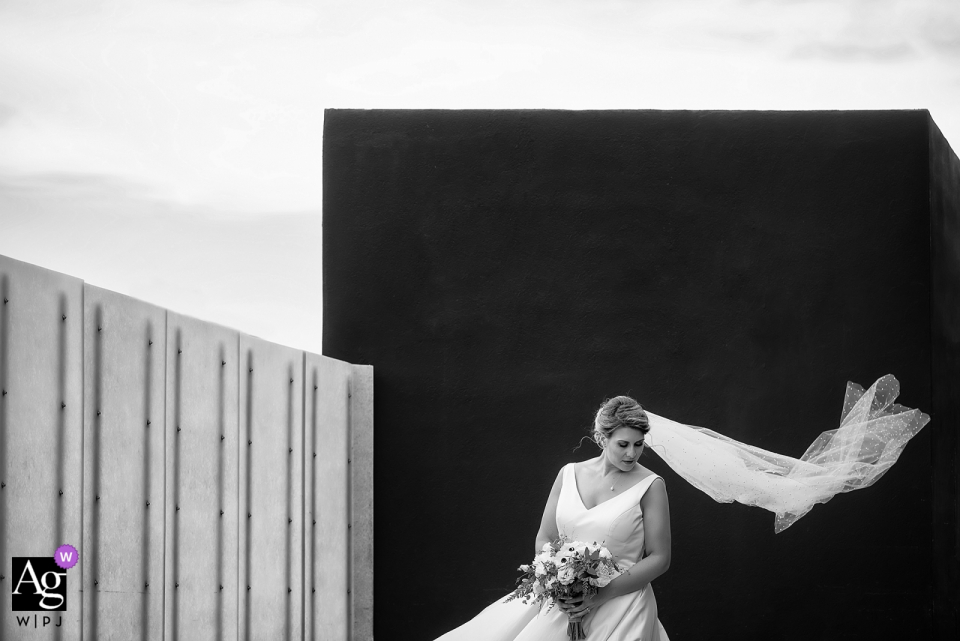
(636,529)
(615,501)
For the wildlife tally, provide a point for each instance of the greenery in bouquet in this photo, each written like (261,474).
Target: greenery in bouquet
(565,569)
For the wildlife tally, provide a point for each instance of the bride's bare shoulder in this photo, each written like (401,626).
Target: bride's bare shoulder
(592,462)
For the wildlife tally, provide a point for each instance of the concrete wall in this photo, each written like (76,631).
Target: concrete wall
(185,455)
(124,358)
(201,395)
(41,429)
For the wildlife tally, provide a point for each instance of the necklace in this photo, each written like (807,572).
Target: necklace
(617,481)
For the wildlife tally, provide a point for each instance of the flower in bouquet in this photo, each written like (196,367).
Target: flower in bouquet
(604,576)
(566,569)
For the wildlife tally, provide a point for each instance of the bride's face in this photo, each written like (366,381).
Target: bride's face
(624,447)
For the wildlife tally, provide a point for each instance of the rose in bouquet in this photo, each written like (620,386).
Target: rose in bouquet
(564,570)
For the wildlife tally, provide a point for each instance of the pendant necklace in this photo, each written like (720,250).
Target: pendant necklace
(617,481)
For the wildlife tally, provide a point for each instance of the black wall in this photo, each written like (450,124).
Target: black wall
(506,271)
(945,308)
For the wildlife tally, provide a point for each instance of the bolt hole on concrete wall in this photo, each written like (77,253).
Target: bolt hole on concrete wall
(165,477)
(505,271)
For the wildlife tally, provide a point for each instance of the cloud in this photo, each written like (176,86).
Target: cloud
(259,273)
(74,187)
(6,113)
(210,102)
(871,31)
(849,51)
(220,104)
(942,32)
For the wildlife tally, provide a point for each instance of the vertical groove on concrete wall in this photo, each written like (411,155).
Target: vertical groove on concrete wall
(289,544)
(61,421)
(242,466)
(82,448)
(245,512)
(361,500)
(147,425)
(351,563)
(311,458)
(61,428)
(302,508)
(94,550)
(4,451)
(162,428)
(165,625)
(174,434)
(221,429)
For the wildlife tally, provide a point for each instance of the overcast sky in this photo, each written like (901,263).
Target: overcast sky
(172,150)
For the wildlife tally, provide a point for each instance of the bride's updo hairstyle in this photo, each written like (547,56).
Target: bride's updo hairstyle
(619,411)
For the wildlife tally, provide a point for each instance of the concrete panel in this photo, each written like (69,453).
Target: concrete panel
(271,491)
(201,446)
(361,499)
(40,430)
(124,379)
(327,487)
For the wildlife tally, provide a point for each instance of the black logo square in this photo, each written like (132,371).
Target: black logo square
(38,584)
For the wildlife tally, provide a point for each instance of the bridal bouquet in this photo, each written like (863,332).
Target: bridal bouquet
(566,569)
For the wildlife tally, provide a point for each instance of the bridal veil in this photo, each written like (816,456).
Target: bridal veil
(873,432)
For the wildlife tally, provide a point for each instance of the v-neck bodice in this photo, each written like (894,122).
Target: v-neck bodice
(616,523)
(576,488)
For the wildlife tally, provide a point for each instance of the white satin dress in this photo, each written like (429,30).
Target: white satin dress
(618,524)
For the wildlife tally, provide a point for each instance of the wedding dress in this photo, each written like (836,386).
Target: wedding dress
(617,523)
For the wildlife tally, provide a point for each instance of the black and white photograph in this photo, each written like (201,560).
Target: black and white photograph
(623,320)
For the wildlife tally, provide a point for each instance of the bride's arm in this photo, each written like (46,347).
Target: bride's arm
(548,523)
(656,532)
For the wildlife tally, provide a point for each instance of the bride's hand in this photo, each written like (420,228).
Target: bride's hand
(579,606)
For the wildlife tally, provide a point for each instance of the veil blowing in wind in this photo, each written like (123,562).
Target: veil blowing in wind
(873,432)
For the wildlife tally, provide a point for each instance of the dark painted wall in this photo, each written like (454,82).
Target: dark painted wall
(505,271)
(945,281)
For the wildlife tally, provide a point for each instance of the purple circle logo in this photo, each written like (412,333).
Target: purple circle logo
(66,556)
